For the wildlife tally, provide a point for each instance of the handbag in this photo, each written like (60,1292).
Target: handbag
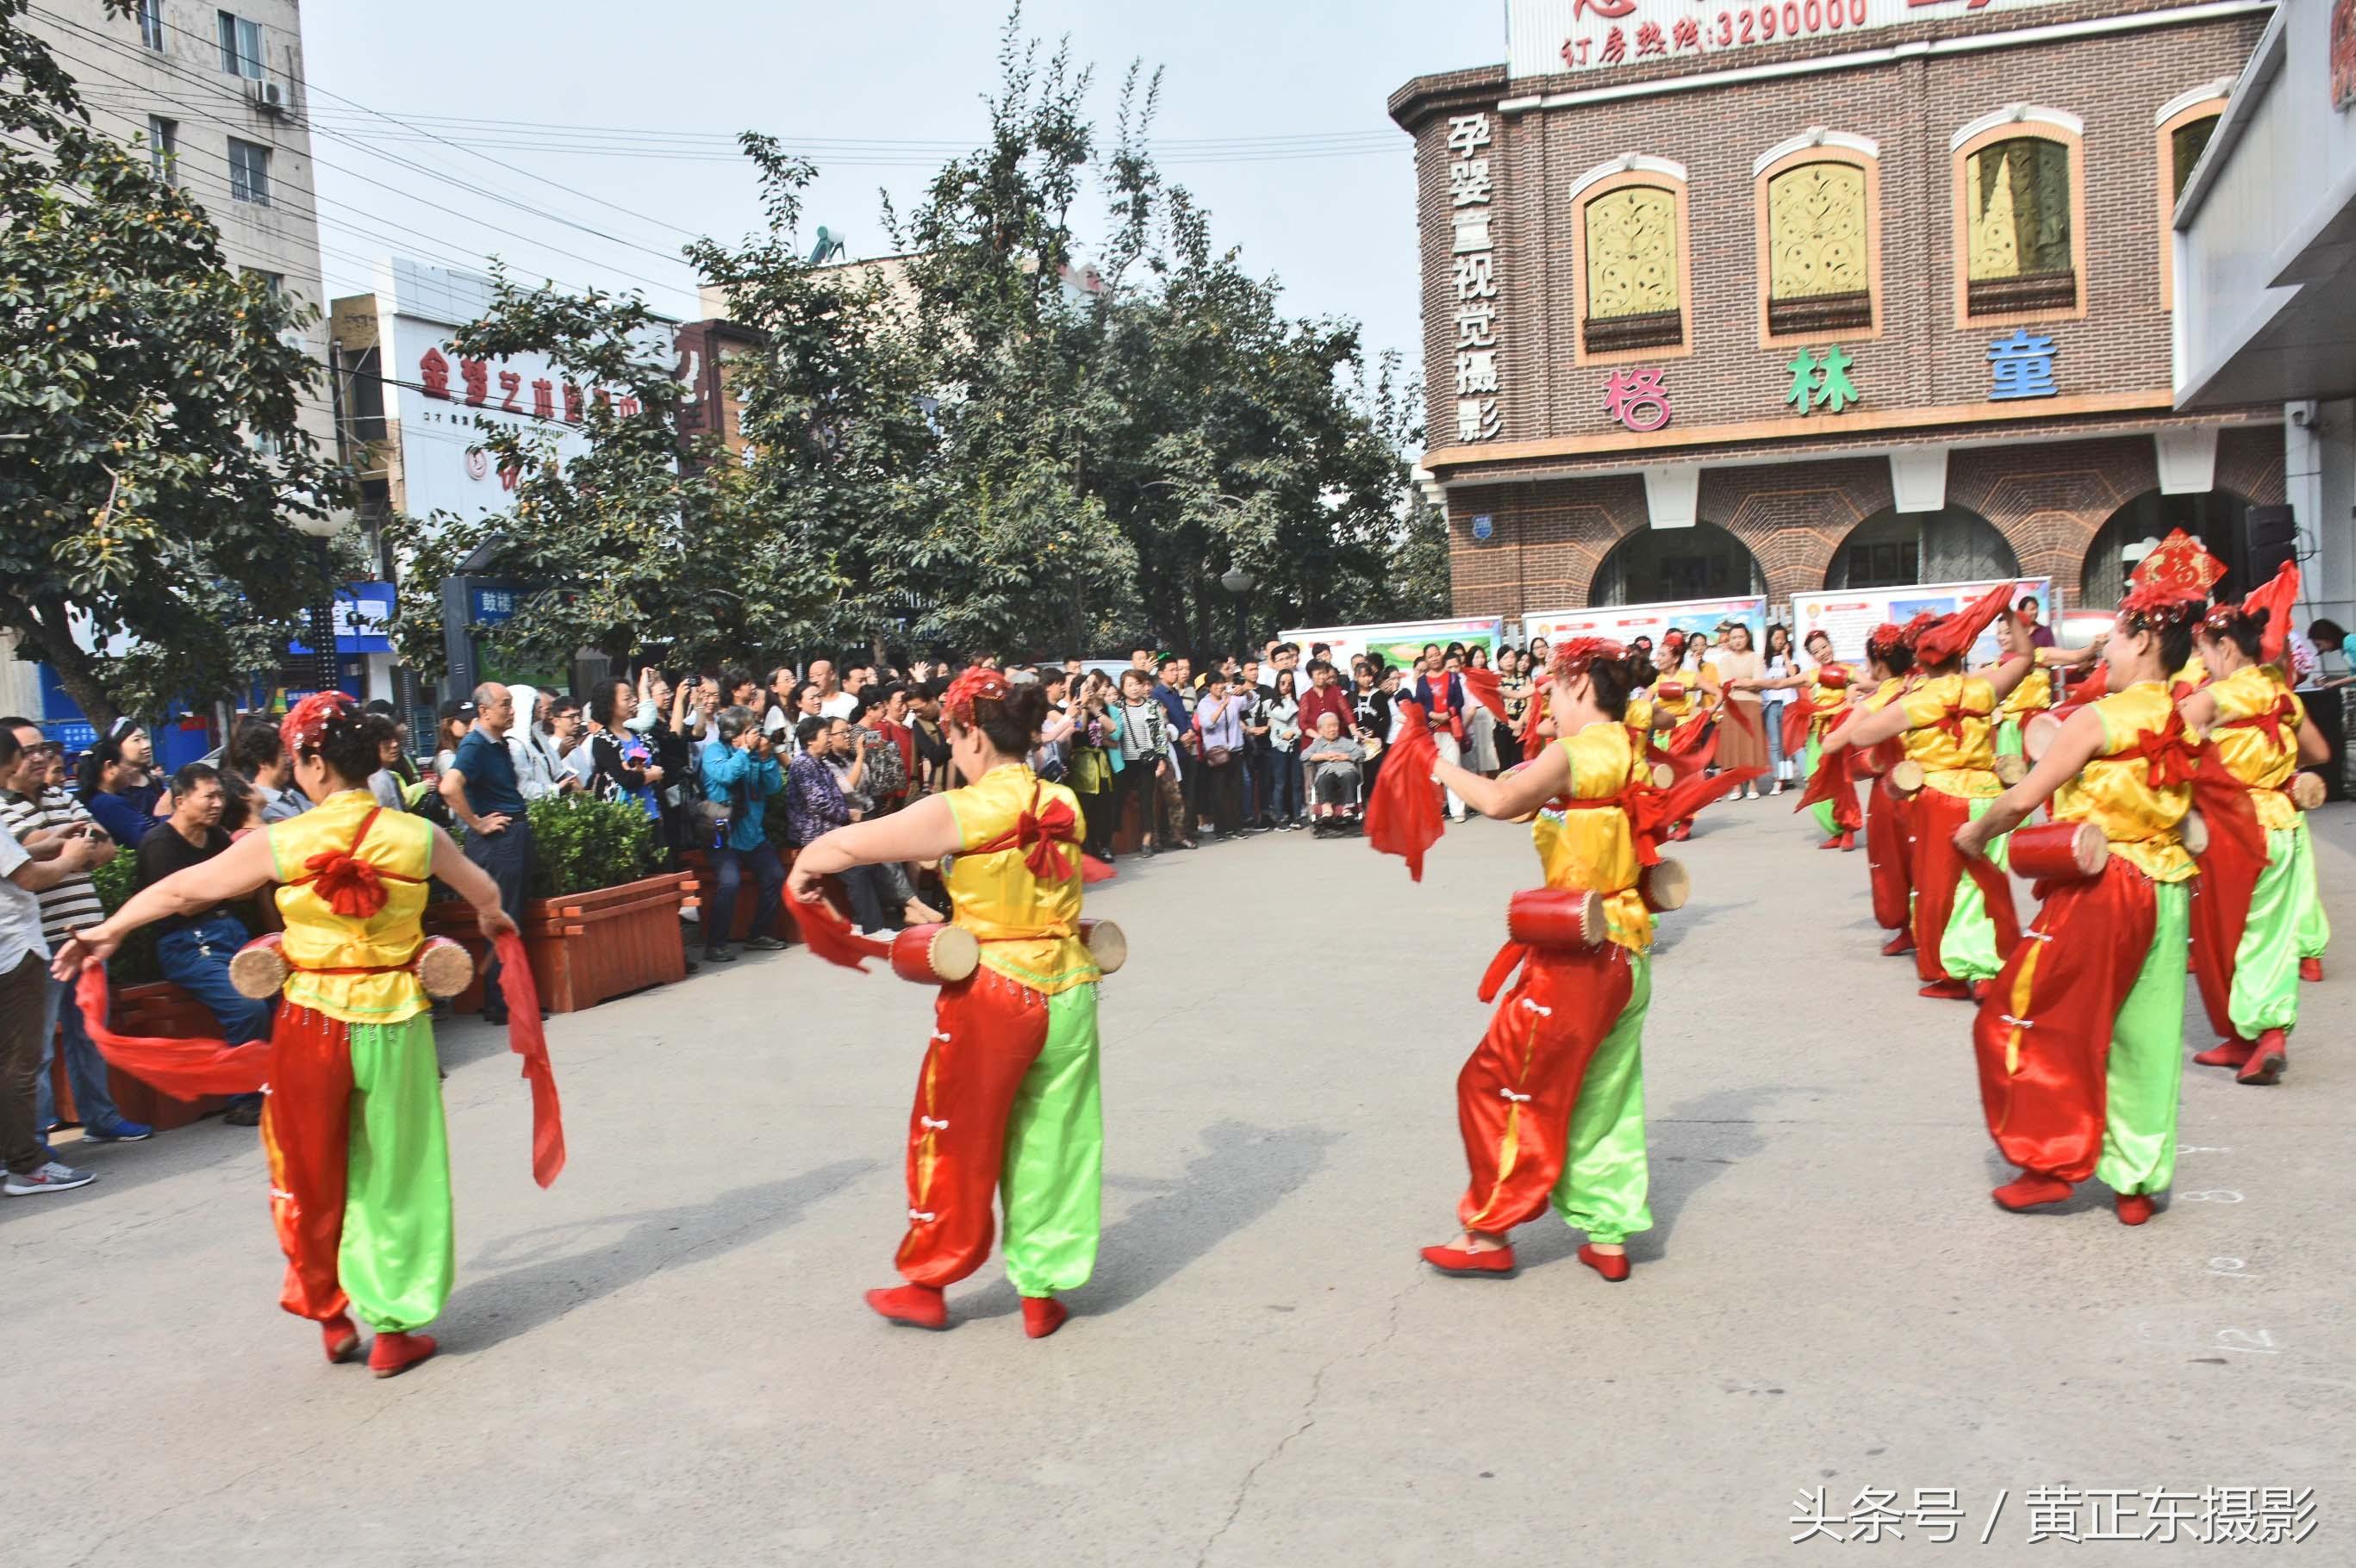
(1217,756)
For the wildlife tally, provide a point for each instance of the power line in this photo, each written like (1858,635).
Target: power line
(167,65)
(164,62)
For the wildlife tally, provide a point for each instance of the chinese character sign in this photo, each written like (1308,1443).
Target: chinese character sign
(1608,34)
(1637,399)
(2021,365)
(1480,415)
(1821,380)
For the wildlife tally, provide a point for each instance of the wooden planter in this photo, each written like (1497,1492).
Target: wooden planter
(156,1008)
(586,948)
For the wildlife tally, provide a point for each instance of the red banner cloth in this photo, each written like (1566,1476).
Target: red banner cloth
(830,936)
(1403,813)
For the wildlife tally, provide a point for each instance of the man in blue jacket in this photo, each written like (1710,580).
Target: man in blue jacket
(740,775)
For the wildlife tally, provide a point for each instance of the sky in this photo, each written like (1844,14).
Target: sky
(1271,114)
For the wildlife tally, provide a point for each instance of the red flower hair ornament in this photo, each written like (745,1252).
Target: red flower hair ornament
(977,684)
(1575,657)
(307,722)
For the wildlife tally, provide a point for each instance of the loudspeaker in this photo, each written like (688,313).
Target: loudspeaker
(2272,535)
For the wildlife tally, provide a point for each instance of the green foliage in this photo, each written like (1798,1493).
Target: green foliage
(133,963)
(971,445)
(580,845)
(151,457)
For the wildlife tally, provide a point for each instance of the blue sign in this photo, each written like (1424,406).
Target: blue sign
(363,612)
(493,605)
(1483,525)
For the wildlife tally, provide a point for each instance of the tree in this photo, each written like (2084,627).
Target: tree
(620,547)
(151,453)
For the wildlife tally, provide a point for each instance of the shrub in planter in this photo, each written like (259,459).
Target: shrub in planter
(580,845)
(133,963)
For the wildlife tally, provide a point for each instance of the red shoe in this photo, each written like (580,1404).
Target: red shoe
(1948,990)
(1848,842)
(2029,1190)
(2267,1058)
(917,1306)
(341,1337)
(2310,969)
(2226,1054)
(1488,1262)
(2135,1208)
(1042,1315)
(1902,942)
(1980,989)
(393,1354)
(1837,841)
(1612,1266)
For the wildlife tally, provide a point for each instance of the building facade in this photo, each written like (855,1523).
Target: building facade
(1821,294)
(2265,247)
(215,94)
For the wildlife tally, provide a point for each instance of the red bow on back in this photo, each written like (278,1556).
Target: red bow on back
(2271,721)
(1046,832)
(350,886)
(2169,750)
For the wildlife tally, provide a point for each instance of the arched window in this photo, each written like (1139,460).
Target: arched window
(1633,282)
(2182,128)
(1893,549)
(2020,242)
(1819,199)
(2216,518)
(1655,565)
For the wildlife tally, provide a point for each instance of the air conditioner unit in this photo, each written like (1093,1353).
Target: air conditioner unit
(266,95)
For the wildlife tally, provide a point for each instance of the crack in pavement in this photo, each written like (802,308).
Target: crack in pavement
(1308,1419)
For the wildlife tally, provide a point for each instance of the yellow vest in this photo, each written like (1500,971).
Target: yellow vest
(2115,793)
(399,845)
(1956,763)
(2247,750)
(1591,847)
(1029,927)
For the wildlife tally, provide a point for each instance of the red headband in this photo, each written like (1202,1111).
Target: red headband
(1575,657)
(307,722)
(2159,605)
(975,683)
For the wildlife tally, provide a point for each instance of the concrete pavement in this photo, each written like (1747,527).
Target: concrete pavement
(665,1357)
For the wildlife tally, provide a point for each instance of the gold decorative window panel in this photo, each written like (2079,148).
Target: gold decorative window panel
(1632,270)
(1818,277)
(2185,145)
(2016,241)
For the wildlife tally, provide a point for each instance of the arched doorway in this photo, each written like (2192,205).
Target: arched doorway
(1893,549)
(1653,565)
(2216,519)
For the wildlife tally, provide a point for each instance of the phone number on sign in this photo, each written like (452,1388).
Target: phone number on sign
(1729,28)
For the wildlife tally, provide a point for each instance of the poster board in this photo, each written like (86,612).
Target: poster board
(1399,641)
(1847,615)
(1625,622)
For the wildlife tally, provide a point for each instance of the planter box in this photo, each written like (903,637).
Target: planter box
(586,948)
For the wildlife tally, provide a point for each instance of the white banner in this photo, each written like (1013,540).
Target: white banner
(1399,642)
(1546,37)
(1849,615)
(1625,622)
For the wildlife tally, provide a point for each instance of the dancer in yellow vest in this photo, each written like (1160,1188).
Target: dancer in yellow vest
(1007,1101)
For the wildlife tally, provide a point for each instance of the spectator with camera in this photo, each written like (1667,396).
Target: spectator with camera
(1218,728)
(815,805)
(741,773)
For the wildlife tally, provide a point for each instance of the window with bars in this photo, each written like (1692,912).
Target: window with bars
(151,24)
(2018,227)
(249,172)
(241,45)
(1818,263)
(1633,269)
(164,148)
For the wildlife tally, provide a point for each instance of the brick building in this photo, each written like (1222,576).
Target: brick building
(1819,294)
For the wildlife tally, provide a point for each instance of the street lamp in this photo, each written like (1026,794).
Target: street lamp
(1240,583)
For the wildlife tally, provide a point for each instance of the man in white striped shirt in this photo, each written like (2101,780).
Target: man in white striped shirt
(34,806)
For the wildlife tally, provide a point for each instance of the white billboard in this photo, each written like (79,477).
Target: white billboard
(1849,614)
(1546,37)
(1399,642)
(1625,622)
